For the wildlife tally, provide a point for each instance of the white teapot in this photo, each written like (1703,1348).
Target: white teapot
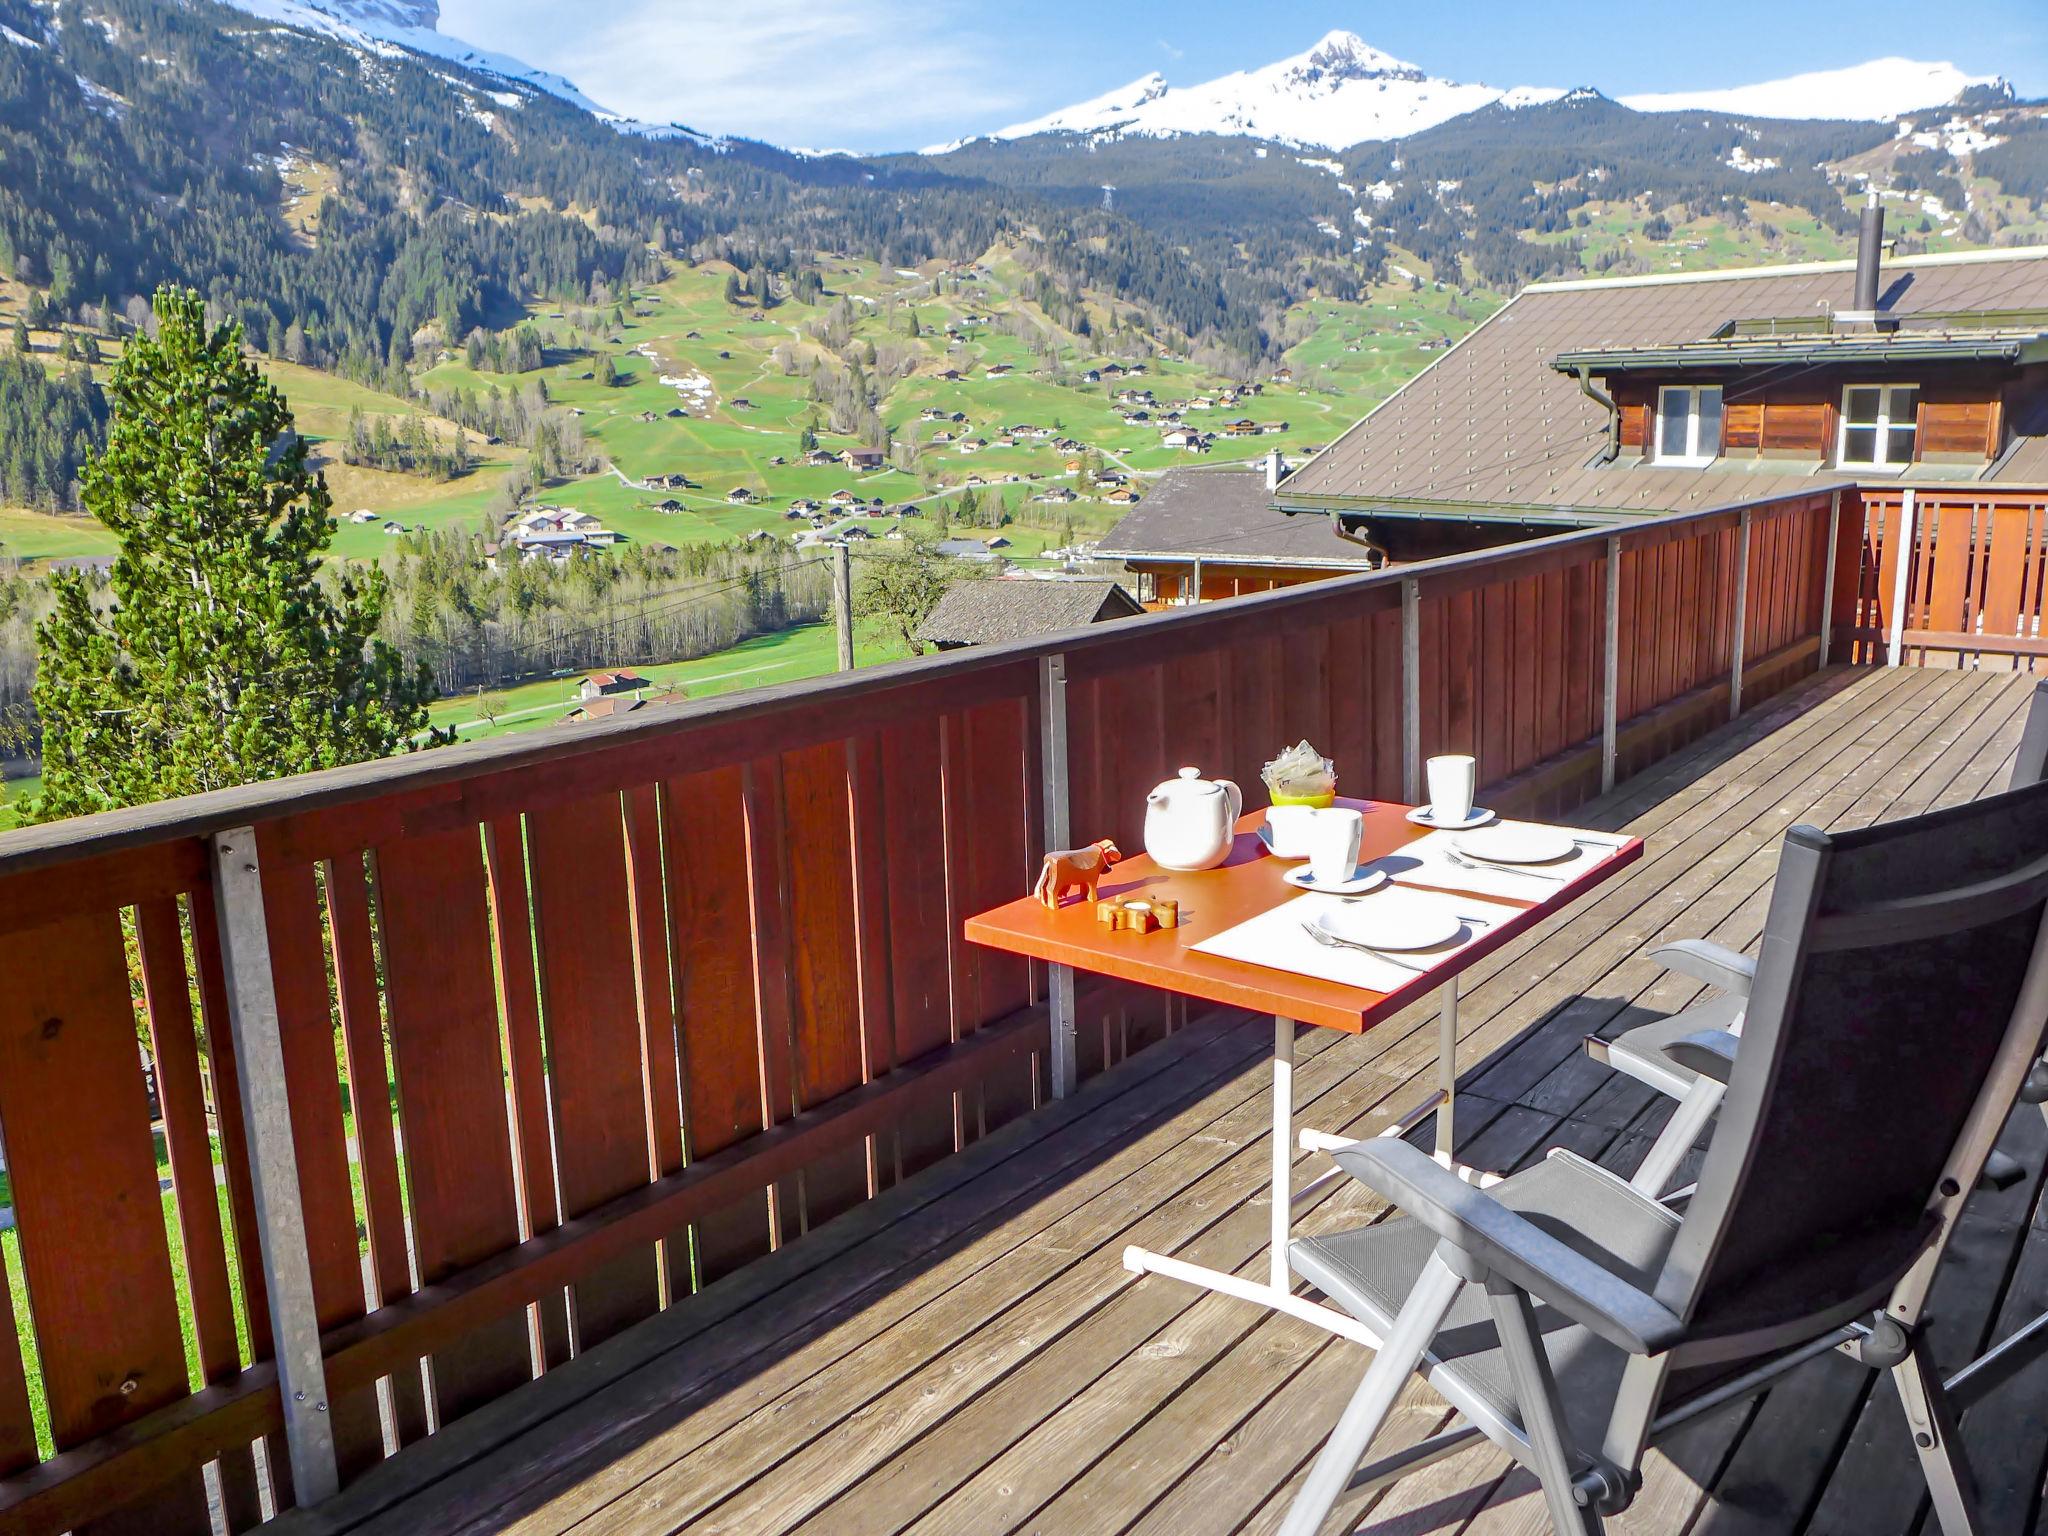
(1190,821)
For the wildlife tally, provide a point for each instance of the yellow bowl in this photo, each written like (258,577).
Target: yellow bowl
(1321,802)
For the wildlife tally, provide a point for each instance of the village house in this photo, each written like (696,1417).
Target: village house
(740,496)
(1599,401)
(614,708)
(596,685)
(1006,610)
(964,549)
(1214,532)
(863,458)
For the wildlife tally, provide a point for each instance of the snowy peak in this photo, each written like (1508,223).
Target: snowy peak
(1334,94)
(1343,90)
(1343,56)
(1880,89)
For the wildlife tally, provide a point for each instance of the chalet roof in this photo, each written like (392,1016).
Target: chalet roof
(1491,424)
(1224,515)
(1907,344)
(988,612)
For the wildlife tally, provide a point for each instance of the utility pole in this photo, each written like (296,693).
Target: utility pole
(842,603)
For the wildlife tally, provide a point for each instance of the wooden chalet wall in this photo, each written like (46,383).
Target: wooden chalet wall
(621,1010)
(1960,420)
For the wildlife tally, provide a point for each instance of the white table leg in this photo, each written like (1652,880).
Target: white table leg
(1446,1065)
(1283,1149)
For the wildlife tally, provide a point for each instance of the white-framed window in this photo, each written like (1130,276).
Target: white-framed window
(1688,424)
(1879,424)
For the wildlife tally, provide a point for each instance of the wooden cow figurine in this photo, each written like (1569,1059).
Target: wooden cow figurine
(1074,869)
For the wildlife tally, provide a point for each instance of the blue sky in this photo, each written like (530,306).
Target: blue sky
(876,74)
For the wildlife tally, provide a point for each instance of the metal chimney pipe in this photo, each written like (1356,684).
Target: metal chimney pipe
(1869,247)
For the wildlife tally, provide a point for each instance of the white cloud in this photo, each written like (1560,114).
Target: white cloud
(1170,51)
(857,73)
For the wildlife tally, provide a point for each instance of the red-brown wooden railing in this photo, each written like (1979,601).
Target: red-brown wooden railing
(652,997)
(1971,591)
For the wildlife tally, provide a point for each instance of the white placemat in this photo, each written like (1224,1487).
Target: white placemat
(1275,939)
(1425,862)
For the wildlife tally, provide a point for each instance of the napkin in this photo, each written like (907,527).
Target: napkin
(1423,862)
(1274,939)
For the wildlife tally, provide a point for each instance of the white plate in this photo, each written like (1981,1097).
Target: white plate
(1361,880)
(1391,925)
(1422,817)
(1518,845)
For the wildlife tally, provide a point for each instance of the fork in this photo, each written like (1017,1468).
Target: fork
(1331,941)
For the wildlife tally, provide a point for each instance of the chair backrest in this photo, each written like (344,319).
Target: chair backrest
(1902,986)
(2030,766)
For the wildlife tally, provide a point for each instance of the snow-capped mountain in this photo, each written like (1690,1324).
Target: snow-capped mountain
(1880,89)
(414,25)
(1343,91)
(1339,92)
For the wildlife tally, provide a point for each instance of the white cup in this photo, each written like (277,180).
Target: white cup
(1451,784)
(1334,840)
(1290,827)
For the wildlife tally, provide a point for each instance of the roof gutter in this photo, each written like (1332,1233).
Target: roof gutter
(1599,396)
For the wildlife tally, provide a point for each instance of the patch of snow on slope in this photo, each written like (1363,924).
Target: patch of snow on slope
(1879,89)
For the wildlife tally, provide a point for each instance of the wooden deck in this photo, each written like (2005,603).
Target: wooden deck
(966,1355)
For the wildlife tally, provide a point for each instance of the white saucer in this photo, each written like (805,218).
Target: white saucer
(1422,818)
(1362,879)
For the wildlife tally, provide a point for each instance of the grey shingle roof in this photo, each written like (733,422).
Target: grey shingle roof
(1221,515)
(987,612)
(1492,421)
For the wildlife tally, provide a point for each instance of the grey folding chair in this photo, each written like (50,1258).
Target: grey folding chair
(1896,1007)
(1660,1053)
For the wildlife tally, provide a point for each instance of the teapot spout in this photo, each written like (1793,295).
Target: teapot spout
(1155,798)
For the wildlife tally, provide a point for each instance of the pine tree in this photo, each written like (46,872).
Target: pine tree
(607,370)
(223,659)
(22,344)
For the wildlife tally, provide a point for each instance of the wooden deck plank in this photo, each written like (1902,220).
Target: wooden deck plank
(760,1513)
(966,1354)
(805,1286)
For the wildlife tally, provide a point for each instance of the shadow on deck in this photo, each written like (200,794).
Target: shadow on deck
(965,1354)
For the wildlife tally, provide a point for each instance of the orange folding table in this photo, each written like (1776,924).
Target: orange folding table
(1250,885)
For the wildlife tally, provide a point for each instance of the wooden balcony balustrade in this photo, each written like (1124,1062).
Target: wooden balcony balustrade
(621,1009)
(1970,591)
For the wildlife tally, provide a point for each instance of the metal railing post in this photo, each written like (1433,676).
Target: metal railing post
(1738,645)
(1411,691)
(1827,580)
(273,1165)
(1610,668)
(1052,746)
(1903,538)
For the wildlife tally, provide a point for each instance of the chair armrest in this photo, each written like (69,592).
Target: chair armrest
(1711,1053)
(1703,961)
(1511,1246)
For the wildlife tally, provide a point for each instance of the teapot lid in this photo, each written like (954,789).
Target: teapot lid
(1190,780)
